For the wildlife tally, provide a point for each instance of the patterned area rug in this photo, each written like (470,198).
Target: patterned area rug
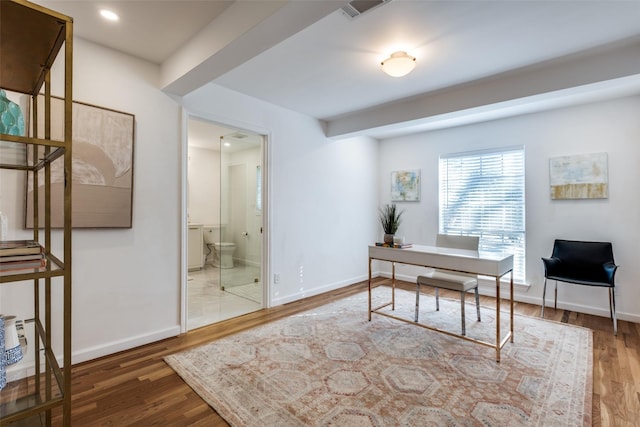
(331,367)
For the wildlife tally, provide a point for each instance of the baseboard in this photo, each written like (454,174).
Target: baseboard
(26,367)
(126,344)
(316,291)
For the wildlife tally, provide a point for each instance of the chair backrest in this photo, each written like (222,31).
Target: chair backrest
(579,252)
(458,242)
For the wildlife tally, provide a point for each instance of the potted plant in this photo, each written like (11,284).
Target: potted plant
(390,221)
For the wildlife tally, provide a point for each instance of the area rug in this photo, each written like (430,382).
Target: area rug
(330,366)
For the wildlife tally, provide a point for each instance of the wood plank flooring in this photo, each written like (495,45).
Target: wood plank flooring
(136,387)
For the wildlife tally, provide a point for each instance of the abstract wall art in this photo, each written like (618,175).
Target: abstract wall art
(583,176)
(405,186)
(102,154)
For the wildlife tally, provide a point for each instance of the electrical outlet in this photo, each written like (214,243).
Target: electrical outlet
(276,278)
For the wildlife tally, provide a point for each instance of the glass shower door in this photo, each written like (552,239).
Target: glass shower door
(241,216)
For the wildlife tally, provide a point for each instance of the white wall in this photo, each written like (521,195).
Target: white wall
(611,127)
(204,186)
(322,193)
(125,281)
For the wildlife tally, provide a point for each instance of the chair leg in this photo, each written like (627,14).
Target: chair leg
(417,299)
(612,309)
(462,311)
(544,292)
(478,303)
(555,299)
(437,300)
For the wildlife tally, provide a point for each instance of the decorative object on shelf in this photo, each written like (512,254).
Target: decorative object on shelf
(583,176)
(14,108)
(11,117)
(103,177)
(12,349)
(394,245)
(405,186)
(3,371)
(390,221)
(4,226)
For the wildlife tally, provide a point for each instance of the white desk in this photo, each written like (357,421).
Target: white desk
(458,260)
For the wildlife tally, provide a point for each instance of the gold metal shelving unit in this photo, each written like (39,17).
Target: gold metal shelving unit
(31,38)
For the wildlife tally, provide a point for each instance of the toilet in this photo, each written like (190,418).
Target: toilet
(222,251)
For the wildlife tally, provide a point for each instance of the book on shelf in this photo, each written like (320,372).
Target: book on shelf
(23,265)
(395,245)
(27,257)
(20,247)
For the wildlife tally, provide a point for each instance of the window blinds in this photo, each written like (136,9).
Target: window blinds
(482,194)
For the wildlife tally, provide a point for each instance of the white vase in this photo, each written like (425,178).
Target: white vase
(12,349)
(3,371)
(4,225)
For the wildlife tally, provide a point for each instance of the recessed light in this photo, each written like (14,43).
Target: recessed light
(109,15)
(227,144)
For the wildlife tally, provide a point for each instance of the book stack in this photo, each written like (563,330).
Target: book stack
(395,245)
(21,255)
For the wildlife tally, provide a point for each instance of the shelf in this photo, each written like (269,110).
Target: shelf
(54,268)
(30,40)
(32,37)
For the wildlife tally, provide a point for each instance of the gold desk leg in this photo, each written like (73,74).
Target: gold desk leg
(369,289)
(511,294)
(393,286)
(497,319)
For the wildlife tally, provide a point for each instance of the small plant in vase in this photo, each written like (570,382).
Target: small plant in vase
(390,221)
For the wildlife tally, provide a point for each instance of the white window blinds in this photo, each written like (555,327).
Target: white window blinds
(482,194)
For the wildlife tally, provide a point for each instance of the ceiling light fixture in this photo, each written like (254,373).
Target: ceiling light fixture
(398,64)
(109,15)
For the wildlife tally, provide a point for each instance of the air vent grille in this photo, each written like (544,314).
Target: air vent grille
(358,7)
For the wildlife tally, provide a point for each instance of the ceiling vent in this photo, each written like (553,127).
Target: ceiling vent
(358,7)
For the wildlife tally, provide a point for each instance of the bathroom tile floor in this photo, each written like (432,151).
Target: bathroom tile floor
(207,303)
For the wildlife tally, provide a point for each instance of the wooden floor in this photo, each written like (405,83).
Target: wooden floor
(136,387)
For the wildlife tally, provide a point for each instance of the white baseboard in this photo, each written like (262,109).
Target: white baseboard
(316,291)
(26,367)
(131,342)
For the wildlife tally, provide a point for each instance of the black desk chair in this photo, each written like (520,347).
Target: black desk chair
(582,263)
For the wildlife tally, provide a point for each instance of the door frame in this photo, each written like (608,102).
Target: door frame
(266,205)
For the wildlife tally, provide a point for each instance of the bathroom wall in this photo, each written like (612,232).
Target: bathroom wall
(207,184)
(203,185)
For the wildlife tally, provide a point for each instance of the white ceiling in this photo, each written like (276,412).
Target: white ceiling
(148,29)
(330,69)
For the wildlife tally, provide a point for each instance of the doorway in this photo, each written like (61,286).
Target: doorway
(224,274)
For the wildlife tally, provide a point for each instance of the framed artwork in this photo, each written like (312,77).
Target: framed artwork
(583,176)
(405,186)
(102,164)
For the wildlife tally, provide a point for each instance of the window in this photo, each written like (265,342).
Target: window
(482,194)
